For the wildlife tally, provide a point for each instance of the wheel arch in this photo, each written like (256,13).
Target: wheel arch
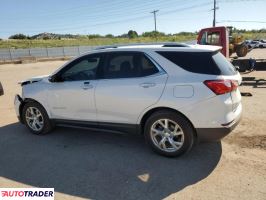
(156,109)
(24,102)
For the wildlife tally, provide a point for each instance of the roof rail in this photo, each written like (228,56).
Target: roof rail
(164,44)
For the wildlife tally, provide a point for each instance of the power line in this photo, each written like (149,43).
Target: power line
(180,9)
(100,10)
(242,21)
(233,1)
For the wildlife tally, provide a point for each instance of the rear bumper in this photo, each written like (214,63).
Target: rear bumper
(216,134)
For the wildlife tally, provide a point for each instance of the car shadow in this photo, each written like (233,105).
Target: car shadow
(254,82)
(100,165)
(261,66)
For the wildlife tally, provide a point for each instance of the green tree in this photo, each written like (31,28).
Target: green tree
(132,34)
(18,36)
(153,34)
(109,36)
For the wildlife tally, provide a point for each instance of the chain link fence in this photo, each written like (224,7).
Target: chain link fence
(17,54)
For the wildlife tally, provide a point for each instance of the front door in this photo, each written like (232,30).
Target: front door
(71,95)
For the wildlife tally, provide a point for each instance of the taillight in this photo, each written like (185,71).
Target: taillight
(221,86)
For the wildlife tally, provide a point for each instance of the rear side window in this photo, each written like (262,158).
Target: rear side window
(128,65)
(200,62)
(121,65)
(146,66)
(224,65)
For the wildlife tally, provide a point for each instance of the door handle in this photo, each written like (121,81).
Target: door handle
(87,85)
(147,85)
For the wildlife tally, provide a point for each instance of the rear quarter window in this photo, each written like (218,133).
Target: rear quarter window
(213,63)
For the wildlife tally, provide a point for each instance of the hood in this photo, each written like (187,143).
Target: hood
(33,80)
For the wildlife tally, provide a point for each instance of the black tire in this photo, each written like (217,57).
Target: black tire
(241,50)
(47,124)
(1,90)
(184,124)
(261,46)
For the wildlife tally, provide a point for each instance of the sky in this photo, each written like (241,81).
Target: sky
(119,16)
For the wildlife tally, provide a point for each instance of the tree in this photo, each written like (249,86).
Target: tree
(92,36)
(132,34)
(153,34)
(109,36)
(18,36)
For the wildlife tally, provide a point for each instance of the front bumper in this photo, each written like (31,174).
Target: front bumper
(216,134)
(17,102)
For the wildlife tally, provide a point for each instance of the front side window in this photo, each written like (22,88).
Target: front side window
(84,68)
(128,65)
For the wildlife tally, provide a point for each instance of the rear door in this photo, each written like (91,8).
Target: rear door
(130,83)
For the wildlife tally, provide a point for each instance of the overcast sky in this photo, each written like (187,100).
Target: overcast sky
(118,16)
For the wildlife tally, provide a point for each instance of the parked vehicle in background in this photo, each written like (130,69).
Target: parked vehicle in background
(1,90)
(253,44)
(174,94)
(261,44)
(222,36)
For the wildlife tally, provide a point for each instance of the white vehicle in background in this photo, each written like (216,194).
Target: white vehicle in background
(174,94)
(261,44)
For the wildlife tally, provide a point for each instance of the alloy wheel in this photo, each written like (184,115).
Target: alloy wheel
(167,135)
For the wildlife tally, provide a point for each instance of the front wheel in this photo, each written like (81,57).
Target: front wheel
(169,134)
(36,118)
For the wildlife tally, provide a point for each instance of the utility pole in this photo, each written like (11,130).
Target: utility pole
(214,13)
(154,16)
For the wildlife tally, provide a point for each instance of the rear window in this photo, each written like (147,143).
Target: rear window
(213,63)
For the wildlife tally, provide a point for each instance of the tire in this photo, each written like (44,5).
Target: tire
(241,50)
(44,126)
(183,137)
(1,90)
(261,46)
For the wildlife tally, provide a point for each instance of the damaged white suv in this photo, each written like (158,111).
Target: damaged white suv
(174,94)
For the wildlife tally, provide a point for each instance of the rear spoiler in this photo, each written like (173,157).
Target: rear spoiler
(208,47)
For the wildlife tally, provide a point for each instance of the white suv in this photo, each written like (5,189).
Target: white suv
(174,94)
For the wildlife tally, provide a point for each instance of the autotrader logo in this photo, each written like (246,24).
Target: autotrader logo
(27,193)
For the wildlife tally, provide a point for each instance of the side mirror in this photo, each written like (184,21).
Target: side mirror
(55,78)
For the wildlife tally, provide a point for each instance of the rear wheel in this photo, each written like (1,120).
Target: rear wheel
(241,50)
(169,133)
(36,118)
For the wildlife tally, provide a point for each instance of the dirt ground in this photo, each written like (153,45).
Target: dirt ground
(82,164)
